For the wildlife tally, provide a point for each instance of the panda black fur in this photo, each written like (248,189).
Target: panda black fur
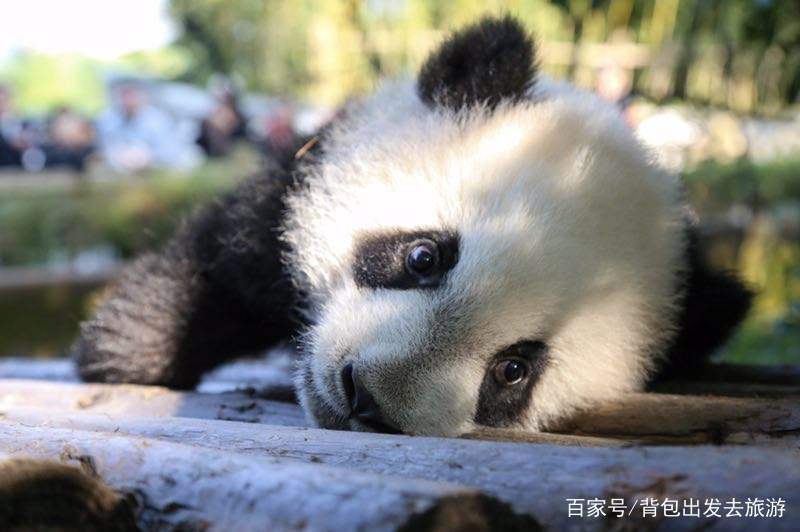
(546,245)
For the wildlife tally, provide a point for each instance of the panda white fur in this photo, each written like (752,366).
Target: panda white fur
(476,247)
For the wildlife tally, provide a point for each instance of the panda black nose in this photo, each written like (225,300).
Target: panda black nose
(362,404)
(348,381)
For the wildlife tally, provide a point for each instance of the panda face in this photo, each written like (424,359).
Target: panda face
(497,263)
(492,273)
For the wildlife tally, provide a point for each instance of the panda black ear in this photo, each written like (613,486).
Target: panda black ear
(487,62)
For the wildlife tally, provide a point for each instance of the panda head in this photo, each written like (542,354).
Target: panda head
(480,248)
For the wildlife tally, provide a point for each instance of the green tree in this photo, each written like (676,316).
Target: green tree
(262,42)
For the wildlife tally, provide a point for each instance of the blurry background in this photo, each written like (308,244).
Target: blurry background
(118,117)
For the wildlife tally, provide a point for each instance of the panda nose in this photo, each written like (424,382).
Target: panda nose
(362,404)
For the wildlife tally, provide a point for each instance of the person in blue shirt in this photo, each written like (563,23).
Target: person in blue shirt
(134,135)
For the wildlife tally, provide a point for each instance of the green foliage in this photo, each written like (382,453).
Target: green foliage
(130,216)
(42,82)
(49,224)
(767,257)
(327,50)
(169,62)
(324,50)
(41,321)
(715,186)
(263,42)
(766,341)
(771,334)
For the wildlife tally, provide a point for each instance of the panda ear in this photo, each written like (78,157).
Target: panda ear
(487,62)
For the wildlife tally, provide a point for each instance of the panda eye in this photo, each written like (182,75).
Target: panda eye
(405,260)
(423,258)
(511,371)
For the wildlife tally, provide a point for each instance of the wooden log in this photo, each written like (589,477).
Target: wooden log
(245,405)
(266,376)
(535,479)
(150,401)
(681,419)
(524,436)
(193,488)
(56,369)
(639,418)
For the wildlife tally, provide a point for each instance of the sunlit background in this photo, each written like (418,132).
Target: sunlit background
(219,89)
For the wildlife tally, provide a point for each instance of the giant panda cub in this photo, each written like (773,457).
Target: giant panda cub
(479,247)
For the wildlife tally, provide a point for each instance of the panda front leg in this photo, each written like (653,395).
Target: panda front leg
(217,291)
(136,332)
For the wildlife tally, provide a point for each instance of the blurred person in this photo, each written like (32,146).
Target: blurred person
(70,140)
(134,136)
(225,125)
(12,137)
(615,84)
(280,139)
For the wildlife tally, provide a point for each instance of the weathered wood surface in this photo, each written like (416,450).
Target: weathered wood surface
(198,488)
(150,401)
(266,375)
(681,419)
(236,458)
(637,419)
(245,405)
(59,369)
(242,459)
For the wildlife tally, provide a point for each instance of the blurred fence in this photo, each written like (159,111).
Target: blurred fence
(745,80)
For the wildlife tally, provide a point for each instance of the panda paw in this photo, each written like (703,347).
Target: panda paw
(134,335)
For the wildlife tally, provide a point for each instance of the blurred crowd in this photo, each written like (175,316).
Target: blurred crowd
(160,124)
(64,139)
(133,135)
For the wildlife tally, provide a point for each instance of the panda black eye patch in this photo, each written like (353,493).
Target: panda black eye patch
(505,392)
(404,260)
